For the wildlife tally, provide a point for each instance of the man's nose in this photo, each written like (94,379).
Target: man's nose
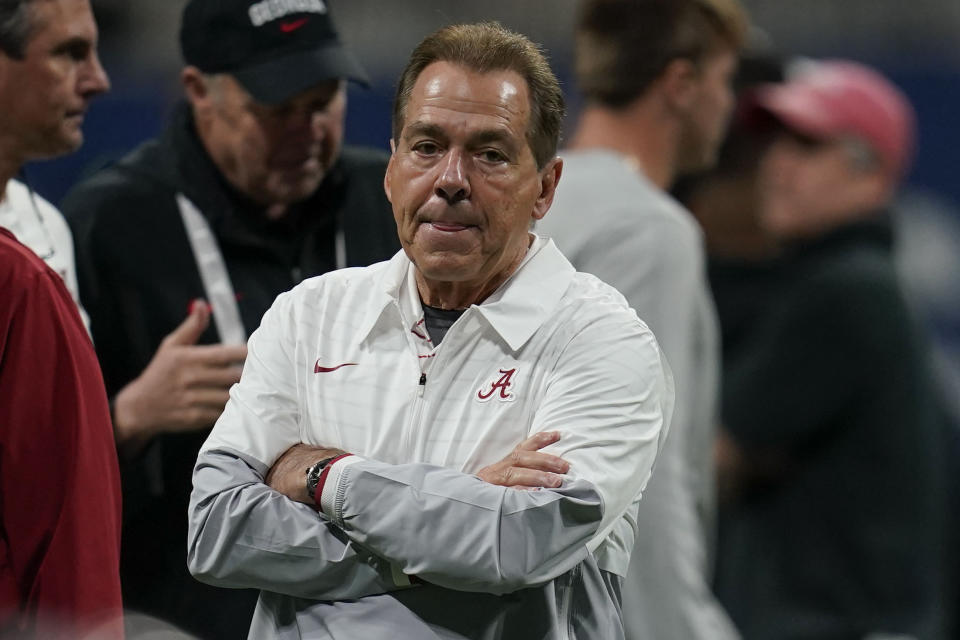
(93,79)
(452,183)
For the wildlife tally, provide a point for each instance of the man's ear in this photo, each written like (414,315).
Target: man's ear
(679,82)
(549,179)
(386,176)
(195,86)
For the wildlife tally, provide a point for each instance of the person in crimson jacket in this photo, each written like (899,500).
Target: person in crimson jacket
(59,479)
(60,513)
(247,192)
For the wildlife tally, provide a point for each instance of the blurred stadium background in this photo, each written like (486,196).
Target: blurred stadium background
(917,43)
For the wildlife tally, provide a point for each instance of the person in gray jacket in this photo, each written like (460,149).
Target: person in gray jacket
(656,76)
(364,474)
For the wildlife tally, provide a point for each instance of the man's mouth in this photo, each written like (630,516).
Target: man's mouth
(297,164)
(294,158)
(450,227)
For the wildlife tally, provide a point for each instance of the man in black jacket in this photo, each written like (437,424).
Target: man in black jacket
(184,244)
(834,432)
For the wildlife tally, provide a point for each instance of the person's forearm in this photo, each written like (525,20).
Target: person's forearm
(242,534)
(130,437)
(456,531)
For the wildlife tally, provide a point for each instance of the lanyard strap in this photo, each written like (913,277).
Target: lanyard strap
(213,273)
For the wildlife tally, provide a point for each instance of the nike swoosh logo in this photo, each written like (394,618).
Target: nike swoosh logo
(287,27)
(318,369)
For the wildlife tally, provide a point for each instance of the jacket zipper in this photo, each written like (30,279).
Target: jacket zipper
(415,417)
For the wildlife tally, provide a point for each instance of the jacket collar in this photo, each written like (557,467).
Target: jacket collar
(515,311)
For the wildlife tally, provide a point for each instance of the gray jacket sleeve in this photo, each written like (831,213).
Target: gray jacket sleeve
(446,527)
(245,534)
(456,531)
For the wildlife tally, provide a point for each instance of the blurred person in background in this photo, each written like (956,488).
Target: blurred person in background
(724,198)
(186,241)
(656,76)
(928,261)
(742,259)
(59,481)
(834,426)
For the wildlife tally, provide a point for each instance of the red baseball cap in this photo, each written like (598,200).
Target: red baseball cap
(838,98)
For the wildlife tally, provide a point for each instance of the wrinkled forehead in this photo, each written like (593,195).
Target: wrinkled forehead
(447,93)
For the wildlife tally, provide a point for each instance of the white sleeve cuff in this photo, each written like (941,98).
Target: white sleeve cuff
(331,488)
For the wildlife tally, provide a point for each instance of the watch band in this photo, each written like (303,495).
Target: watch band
(313,475)
(317,475)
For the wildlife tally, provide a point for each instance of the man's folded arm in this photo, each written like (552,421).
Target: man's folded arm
(454,530)
(242,533)
(245,534)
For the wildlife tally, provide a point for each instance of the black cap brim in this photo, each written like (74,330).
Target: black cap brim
(280,79)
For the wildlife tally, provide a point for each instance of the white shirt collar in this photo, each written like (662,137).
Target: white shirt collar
(515,310)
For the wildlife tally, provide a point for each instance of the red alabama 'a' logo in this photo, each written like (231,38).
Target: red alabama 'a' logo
(500,388)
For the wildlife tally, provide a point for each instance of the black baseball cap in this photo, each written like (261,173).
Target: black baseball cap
(274,48)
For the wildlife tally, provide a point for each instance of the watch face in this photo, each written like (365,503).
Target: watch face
(313,477)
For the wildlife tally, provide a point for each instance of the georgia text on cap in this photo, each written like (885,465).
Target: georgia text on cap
(268,10)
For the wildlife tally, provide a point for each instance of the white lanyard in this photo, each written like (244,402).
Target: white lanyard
(213,273)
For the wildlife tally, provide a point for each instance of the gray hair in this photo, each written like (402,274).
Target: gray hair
(16,27)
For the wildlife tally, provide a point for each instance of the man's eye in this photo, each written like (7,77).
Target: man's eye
(270,113)
(426,148)
(492,155)
(321,107)
(75,50)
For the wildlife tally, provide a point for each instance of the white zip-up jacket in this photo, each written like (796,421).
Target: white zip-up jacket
(344,360)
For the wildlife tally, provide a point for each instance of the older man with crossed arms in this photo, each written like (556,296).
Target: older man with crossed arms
(398,387)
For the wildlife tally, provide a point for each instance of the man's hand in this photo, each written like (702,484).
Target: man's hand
(526,467)
(184,388)
(288,475)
